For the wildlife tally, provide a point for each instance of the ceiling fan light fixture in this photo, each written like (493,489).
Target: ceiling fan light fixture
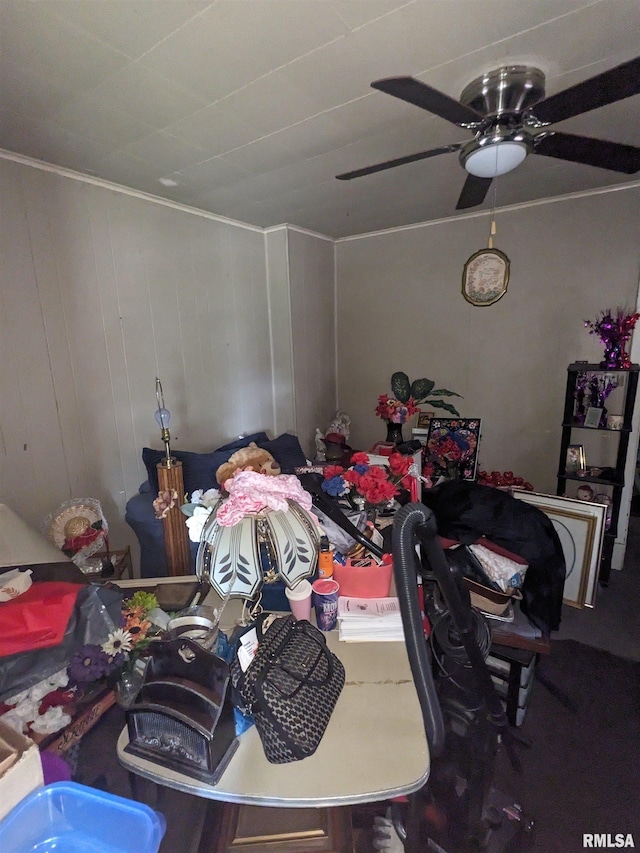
(498,158)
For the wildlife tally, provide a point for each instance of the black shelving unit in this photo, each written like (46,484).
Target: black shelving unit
(610,477)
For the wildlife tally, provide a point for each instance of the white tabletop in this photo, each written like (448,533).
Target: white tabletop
(374,747)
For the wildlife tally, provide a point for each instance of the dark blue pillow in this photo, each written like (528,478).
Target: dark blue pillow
(245,441)
(286,451)
(198,469)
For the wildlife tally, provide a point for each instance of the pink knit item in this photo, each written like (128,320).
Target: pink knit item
(252,492)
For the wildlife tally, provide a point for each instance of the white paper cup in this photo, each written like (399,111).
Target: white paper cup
(299,599)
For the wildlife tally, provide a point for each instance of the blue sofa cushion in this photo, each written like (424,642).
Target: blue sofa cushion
(198,469)
(286,451)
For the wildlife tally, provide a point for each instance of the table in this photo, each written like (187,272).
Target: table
(374,748)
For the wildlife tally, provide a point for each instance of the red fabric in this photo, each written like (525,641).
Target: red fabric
(38,618)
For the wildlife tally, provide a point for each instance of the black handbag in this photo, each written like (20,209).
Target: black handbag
(290,688)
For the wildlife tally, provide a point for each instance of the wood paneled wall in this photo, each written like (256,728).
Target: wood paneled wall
(570,259)
(100,292)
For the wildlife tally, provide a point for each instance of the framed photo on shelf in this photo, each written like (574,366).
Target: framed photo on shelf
(452,447)
(576,460)
(424,419)
(593,417)
(580,526)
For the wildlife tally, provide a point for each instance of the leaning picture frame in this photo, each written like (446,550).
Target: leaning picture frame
(452,447)
(576,459)
(593,417)
(580,526)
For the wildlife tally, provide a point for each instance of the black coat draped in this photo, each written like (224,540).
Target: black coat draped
(466,511)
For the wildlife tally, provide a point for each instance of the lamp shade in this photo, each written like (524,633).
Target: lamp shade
(21,545)
(260,548)
(496,159)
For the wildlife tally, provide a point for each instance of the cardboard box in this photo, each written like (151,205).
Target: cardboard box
(24,775)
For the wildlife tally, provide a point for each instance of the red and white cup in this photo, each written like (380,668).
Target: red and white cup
(325,601)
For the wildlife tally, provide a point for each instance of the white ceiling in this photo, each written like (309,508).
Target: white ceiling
(253,106)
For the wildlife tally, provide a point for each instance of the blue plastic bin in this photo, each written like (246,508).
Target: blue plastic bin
(66,817)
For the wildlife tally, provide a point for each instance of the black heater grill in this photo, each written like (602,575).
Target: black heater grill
(158,733)
(183,717)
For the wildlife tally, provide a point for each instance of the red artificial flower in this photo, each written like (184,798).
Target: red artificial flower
(382,409)
(380,492)
(377,473)
(333,471)
(61,696)
(351,476)
(360,458)
(377,484)
(399,465)
(393,410)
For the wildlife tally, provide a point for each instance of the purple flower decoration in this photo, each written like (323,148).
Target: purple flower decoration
(115,663)
(89,664)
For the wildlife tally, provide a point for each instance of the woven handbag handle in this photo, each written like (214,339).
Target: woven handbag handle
(321,643)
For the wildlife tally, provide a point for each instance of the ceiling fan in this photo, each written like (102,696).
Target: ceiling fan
(508,114)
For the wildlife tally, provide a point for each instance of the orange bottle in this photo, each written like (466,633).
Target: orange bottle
(325,559)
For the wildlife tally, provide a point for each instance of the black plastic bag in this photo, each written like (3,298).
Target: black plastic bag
(96,614)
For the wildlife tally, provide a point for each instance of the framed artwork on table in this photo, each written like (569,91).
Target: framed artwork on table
(576,460)
(452,447)
(580,526)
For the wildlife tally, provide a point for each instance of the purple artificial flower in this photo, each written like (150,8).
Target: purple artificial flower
(115,663)
(89,664)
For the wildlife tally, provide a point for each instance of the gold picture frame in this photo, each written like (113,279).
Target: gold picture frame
(576,459)
(485,277)
(424,419)
(580,526)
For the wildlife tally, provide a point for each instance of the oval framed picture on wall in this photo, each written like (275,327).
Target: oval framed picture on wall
(485,277)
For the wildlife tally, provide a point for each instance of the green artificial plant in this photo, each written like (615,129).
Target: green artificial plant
(422,391)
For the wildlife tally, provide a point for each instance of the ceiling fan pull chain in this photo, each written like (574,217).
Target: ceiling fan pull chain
(492,232)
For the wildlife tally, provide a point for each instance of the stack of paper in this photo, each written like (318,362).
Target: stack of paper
(366,620)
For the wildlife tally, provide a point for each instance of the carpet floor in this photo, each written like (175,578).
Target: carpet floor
(581,773)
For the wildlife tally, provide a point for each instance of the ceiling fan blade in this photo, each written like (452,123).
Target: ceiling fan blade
(391,164)
(606,88)
(473,192)
(415,92)
(592,152)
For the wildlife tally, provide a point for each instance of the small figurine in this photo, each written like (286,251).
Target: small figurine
(341,424)
(321,449)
